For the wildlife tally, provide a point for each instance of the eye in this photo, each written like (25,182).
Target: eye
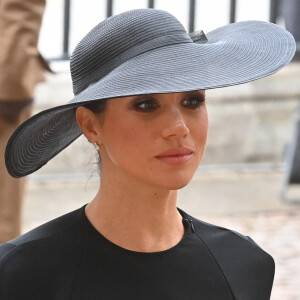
(193,101)
(146,105)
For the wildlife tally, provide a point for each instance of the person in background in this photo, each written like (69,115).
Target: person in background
(21,68)
(290,11)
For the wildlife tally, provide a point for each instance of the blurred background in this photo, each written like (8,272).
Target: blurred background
(248,180)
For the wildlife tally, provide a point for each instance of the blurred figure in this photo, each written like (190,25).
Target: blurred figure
(21,68)
(290,11)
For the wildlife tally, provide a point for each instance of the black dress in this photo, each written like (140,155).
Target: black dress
(68,258)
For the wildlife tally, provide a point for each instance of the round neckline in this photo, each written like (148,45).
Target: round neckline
(98,235)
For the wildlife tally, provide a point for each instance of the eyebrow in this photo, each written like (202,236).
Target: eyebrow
(198,93)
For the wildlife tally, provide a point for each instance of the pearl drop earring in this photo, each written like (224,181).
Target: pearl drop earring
(96,146)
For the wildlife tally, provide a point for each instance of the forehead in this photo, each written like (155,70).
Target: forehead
(162,95)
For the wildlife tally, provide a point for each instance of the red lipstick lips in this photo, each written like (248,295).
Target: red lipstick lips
(175,156)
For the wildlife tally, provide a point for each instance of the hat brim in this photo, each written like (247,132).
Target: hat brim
(234,54)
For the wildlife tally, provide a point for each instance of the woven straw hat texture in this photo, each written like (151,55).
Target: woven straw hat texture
(148,51)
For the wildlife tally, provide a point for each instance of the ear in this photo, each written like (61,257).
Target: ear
(89,124)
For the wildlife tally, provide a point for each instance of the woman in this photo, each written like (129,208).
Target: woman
(139,82)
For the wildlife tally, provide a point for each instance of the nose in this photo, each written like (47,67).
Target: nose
(175,125)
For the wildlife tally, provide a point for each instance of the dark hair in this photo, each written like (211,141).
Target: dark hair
(97,107)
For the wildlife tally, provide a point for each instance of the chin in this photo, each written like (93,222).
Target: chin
(178,186)
(175,183)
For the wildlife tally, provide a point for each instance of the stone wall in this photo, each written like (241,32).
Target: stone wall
(253,122)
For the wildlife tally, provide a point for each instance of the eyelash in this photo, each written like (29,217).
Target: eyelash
(198,100)
(152,102)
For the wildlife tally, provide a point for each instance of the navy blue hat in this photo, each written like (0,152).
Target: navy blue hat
(147,51)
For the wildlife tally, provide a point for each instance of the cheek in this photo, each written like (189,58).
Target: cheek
(199,133)
(124,141)
(204,129)
(199,126)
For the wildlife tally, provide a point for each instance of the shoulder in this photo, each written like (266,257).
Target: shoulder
(47,232)
(35,257)
(240,259)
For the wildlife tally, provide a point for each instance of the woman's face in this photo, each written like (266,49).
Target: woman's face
(158,139)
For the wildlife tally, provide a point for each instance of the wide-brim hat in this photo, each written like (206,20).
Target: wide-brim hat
(148,51)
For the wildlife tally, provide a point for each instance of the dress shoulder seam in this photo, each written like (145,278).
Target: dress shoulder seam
(8,252)
(216,262)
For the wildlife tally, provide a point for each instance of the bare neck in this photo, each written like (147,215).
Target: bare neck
(136,216)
